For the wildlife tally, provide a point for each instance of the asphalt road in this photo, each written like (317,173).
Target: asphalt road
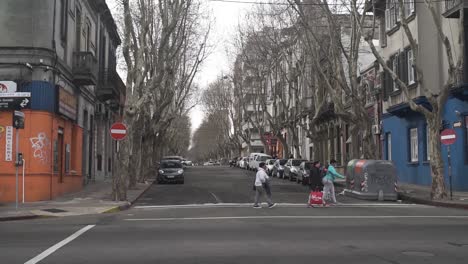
(224,185)
(187,224)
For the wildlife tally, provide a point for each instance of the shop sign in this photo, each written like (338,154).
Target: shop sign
(67,105)
(9,144)
(8,87)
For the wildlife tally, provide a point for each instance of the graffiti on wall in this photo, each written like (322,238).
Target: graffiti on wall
(41,146)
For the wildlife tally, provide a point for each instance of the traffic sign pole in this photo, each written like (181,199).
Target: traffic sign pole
(448,137)
(450,171)
(16,165)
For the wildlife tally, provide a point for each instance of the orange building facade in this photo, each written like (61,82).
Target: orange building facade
(51,146)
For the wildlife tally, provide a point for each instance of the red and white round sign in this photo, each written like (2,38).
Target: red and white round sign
(448,136)
(118,131)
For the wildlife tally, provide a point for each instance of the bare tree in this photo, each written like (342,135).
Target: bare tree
(333,39)
(163,47)
(436,99)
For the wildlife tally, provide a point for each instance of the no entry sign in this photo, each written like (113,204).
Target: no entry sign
(448,136)
(118,131)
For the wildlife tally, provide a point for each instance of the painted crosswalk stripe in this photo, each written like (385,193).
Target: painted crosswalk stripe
(60,244)
(293,205)
(345,217)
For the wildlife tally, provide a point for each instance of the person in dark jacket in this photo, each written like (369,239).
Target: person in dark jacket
(315,178)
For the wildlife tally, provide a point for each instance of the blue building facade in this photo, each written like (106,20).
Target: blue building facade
(402,128)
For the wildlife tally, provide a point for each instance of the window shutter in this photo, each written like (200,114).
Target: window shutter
(403,65)
(388,88)
(387,19)
(414,69)
(397,70)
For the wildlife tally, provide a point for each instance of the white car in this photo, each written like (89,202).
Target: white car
(269,166)
(243,163)
(209,163)
(257,158)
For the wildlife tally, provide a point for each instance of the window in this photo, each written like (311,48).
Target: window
(391,14)
(99,162)
(87,35)
(410,69)
(409,7)
(414,145)
(383,35)
(63,20)
(389,146)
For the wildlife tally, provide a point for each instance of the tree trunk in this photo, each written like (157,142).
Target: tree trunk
(295,138)
(120,180)
(135,156)
(285,146)
(438,191)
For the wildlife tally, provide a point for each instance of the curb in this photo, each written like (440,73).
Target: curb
(127,206)
(409,198)
(19,217)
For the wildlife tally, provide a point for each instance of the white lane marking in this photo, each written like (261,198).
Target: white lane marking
(118,131)
(305,217)
(60,244)
(218,201)
(228,205)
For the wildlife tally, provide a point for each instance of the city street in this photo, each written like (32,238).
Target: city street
(209,219)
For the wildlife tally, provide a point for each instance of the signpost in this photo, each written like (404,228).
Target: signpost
(15,101)
(448,137)
(118,131)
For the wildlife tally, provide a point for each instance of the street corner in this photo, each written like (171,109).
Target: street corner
(456,204)
(18,216)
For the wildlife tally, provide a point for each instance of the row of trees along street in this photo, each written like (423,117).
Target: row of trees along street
(298,63)
(164,44)
(295,65)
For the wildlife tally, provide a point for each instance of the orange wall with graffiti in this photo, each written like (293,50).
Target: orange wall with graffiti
(52,150)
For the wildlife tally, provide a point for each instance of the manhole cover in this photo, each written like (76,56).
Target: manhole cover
(418,254)
(54,210)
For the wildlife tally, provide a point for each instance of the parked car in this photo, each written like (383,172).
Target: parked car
(179,158)
(232,162)
(170,171)
(304,172)
(257,158)
(209,163)
(243,163)
(269,166)
(291,169)
(187,163)
(278,168)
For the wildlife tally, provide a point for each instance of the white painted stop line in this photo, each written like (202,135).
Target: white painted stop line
(448,137)
(118,131)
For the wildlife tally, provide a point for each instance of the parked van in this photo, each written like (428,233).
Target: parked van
(256,158)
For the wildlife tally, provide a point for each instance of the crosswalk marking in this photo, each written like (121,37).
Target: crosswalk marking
(293,205)
(345,217)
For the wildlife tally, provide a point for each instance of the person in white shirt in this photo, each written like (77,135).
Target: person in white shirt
(262,186)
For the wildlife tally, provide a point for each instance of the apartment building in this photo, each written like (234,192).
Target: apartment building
(404,136)
(63,53)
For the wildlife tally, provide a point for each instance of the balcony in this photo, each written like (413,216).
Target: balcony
(84,68)
(452,8)
(110,86)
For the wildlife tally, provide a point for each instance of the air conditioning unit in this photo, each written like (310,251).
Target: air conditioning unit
(376,129)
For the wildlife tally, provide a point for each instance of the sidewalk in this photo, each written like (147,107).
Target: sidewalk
(93,199)
(422,195)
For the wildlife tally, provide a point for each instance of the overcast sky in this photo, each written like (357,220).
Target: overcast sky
(226,16)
